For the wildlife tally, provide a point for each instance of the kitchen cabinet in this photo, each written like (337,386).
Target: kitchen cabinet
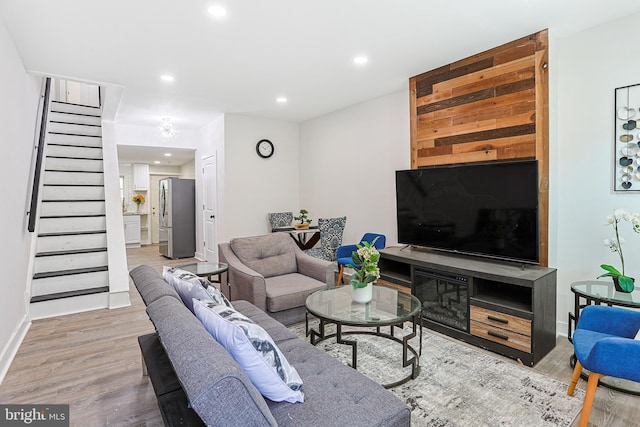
(132,231)
(140,176)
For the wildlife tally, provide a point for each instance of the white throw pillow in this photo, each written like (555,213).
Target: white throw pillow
(253,349)
(190,286)
(638,335)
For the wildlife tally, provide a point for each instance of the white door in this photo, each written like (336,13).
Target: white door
(209,186)
(154,192)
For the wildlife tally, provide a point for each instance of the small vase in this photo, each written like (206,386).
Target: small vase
(616,284)
(363,295)
(138,208)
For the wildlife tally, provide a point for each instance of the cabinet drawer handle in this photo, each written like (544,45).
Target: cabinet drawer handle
(502,337)
(497,319)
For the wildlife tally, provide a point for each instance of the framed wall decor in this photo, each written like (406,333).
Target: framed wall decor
(627,143)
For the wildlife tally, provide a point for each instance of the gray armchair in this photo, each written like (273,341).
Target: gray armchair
(272,273)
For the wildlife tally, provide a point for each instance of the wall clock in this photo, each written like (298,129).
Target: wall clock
(264,148)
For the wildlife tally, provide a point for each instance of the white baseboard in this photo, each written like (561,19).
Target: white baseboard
(9,352)
(119,299)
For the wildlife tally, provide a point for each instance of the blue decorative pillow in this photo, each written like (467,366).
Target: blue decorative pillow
(190,286)
(253,349)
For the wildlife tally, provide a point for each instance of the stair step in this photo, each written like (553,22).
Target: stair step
(73,129)
(66,117)
(73,224)
(73,207)
(78,192)
(69,242)
(83,262)
(68,107)
(56,282)
(77,251)
(60,273)
(69,305)
(74,151)
(69,294)
(69,177)
(71,165)
(73,140)
(71,233)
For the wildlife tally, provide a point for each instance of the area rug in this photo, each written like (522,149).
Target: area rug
(460,386)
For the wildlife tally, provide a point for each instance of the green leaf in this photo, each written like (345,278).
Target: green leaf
(626,283)
(612,270)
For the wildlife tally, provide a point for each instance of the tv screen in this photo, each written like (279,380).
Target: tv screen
(486,209)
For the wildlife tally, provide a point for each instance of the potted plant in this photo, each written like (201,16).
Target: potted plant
(304,220)
(366,271)
(621,282)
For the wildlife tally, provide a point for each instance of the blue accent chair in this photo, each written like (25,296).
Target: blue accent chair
(604,344)
(343,254)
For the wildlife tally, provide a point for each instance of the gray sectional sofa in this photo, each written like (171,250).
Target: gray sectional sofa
(189,369)
(274,274)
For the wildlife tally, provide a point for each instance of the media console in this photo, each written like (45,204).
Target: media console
(504,307)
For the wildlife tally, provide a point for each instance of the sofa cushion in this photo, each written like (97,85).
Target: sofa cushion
(290,291)
(275,329)
(217,388)
(254,350)
(336,392)
(187,289)
(150,285)
(269,255)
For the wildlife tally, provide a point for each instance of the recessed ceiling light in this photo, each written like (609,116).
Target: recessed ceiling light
(217,11)
(359,60)
(167,78)
(157,162)
(281,99)
(167,154)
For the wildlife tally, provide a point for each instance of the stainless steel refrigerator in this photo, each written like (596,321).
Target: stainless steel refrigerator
(177,228)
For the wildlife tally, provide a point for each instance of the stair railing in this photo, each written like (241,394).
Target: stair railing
(33,209)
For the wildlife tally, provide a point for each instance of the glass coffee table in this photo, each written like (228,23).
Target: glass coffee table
(206,269)
(389,307)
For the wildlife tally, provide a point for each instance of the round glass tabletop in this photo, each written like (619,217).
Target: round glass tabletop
(205,268)
(388,306)
(604,291)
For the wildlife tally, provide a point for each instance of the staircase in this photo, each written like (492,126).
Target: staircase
(70,269)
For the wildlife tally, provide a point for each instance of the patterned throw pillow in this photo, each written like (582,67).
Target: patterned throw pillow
(280,219)
(331,231)
(190,286)
(254,350)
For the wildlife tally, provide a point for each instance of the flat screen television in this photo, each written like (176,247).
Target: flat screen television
(484,209)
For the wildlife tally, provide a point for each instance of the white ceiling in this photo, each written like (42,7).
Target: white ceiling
(151,155)
(299,49)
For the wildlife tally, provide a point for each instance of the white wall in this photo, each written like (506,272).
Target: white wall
(348,161)
(18,111)
(590,66)
(255,186)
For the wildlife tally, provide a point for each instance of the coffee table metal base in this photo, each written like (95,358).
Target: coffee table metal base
(321,335)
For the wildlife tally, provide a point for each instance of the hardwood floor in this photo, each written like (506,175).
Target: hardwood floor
(91,361)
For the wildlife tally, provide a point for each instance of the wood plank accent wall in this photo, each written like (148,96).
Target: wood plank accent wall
(491,106)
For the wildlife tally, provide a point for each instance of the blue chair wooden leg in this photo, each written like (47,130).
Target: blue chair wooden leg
(592,384)
(340,275)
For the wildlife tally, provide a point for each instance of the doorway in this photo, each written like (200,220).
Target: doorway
(209,188)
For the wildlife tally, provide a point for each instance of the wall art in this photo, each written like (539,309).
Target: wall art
(627,143)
